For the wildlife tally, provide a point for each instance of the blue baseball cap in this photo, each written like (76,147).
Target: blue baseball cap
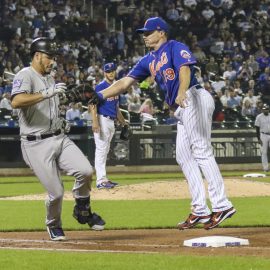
(152,24)
(108,67)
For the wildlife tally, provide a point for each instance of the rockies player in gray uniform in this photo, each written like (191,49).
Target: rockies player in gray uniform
(45,147)
(262,125)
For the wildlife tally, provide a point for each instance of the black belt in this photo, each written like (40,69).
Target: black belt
(265,133)
(43,136)
(107,116)
(197,86)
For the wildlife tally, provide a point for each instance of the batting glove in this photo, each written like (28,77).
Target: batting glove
(58,88)
(66,126)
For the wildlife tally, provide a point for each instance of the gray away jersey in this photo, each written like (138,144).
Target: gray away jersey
(42,117)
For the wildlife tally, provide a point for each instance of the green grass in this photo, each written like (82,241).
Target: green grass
(120,177)
(15,186)
(30,215)
(129,214)
(43,260)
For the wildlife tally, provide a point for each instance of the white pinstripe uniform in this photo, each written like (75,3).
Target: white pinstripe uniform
(194,152)
(193,144)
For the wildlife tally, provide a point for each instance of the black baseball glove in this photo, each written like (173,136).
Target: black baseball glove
(83,93)
(126,133)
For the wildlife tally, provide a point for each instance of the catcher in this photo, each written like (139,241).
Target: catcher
(103,125)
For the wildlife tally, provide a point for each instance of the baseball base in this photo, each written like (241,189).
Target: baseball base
(216,241)
(254,175)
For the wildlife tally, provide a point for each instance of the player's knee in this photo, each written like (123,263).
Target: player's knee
(86,172)
(56,195)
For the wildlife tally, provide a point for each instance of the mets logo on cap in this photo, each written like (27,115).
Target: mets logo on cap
(185,54)
(109,67)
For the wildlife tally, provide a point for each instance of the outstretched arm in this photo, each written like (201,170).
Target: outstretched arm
(118,87)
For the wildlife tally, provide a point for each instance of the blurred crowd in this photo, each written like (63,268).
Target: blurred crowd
(230,39)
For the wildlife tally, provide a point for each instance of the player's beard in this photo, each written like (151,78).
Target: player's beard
(46,69)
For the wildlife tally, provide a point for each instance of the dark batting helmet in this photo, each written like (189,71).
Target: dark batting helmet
(44,45)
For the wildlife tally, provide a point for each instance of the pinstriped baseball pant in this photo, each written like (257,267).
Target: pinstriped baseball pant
(194,153)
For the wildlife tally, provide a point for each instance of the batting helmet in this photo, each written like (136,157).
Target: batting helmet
(44,45)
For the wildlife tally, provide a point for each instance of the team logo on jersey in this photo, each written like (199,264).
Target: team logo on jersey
(17,83)
(155,68)
(112,98)
(185,54)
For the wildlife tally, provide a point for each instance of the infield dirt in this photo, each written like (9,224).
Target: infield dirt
(169,241)
(163,190)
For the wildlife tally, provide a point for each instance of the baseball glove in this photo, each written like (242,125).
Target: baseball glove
(82,93)
(126,133)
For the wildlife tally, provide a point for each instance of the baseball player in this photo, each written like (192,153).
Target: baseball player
(172,65)
(103,120)
(45,147)
(262,125)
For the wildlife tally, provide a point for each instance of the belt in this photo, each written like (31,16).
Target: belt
(107,116)
(198,86)
(42,136)
(265,133)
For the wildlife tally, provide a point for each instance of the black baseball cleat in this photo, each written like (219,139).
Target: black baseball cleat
(56,234)
(192,221)
(218,217)
(96,223)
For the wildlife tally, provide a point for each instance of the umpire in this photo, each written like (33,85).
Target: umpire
(46,148)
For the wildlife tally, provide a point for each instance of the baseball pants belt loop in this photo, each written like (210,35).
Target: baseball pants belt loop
(43,136)
(265,133)
(107,116)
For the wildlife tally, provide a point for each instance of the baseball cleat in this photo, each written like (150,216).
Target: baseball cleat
(218,217)
(56,234)
(96,223)
(192,221)
(114,183)
(106,185)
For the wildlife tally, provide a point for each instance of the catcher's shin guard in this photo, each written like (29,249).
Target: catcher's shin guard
(82,210)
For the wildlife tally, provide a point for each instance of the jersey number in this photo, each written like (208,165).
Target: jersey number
(169,74)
